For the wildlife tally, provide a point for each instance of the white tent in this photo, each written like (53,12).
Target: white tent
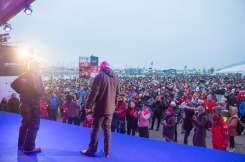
(233,70)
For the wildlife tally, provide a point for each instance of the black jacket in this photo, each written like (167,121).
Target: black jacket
(30,87)
(104,89)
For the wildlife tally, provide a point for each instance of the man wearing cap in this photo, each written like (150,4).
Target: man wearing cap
(104,90)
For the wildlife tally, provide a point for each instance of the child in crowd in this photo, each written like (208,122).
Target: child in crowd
(220,133)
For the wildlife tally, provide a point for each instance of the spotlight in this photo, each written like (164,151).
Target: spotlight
(28,9)
(7,27)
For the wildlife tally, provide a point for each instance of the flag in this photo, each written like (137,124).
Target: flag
(151,63)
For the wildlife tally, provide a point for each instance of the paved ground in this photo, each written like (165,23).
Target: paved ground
(157,135)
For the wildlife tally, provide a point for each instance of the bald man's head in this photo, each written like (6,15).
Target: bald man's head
(104,64)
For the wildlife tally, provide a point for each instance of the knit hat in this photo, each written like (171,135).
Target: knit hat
(216,118)
(172,103)
(170,109)
(190,104)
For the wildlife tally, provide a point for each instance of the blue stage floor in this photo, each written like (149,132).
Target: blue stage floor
(62,142)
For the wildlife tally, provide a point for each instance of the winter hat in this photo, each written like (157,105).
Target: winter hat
(200,101)
(170,109)
(216,118)
(172,103)
(190,104)
(200,108)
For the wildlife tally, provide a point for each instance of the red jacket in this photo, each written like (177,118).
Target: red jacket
(220,133)
(209,105)
(43,105)
(121,109)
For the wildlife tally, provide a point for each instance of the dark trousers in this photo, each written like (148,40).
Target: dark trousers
(53,114)
(187,133)
(242,119)
(29,125)
(143,132)
(158,117)
(131,126)
(175,133)
(105,121)
(122,126)
(232,142)
(74,120)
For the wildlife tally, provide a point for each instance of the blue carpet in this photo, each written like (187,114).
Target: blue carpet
(62,142)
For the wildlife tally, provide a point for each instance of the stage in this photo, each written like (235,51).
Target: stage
(62,142)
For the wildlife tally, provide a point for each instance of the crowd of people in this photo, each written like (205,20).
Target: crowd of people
(199,103)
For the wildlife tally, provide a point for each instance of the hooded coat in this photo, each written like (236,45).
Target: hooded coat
(220,133)
(232,121)
(199,138)
(104,89)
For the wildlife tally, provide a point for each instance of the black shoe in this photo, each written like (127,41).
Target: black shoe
(157,129)
(20,148)
(87,153)
(37,149)
(106,154)
(150,128)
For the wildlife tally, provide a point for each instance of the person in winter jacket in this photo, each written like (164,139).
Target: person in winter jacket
(242,111)
(72,110)
(143,116)
(53,103)
(232,124)
(103,94)
(13,104)
(220,133)
(4,104)
(115,123)
(88,121)
(169,125)
(188,122)
(199,138)
(121,110)
(131,119)
(30,87)
(43,106)
(157,111)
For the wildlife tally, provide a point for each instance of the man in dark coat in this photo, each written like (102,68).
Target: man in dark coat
(14,104)
(104,90)
(199,138)
(30,87)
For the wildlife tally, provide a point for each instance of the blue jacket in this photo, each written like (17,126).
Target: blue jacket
(242,108)
(53,102)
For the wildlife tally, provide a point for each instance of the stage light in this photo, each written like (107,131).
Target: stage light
(7,27)
(28,9)
(23,52)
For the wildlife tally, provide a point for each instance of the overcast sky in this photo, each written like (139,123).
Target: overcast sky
(132,33)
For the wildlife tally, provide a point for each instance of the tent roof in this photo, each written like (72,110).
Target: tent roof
(10,8)
(234,69)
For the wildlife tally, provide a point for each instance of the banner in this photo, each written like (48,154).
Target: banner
(11,62)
